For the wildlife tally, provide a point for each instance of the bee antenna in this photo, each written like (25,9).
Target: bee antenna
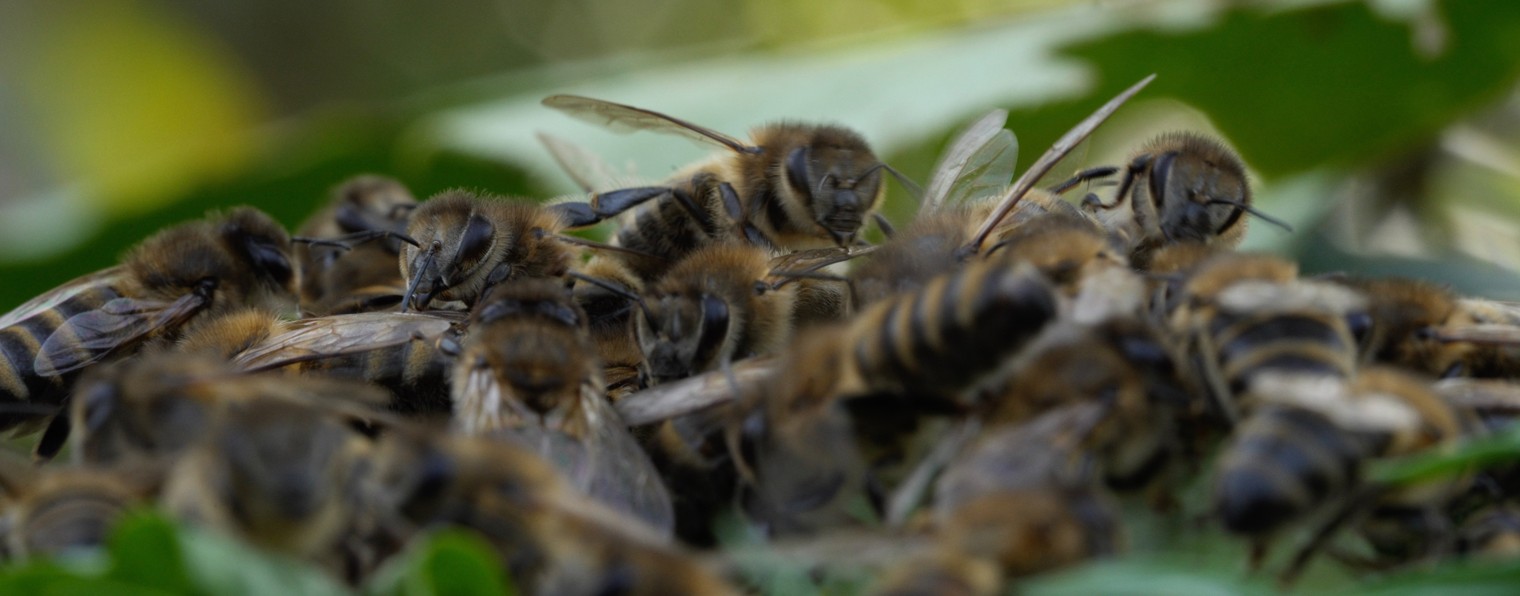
(1248,209)
(908,184)
(608,247)
(616,289)
(427,262)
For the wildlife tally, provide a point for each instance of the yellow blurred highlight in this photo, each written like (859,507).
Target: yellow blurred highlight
(134,104)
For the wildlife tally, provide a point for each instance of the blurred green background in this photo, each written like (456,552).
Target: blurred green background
(1387,132)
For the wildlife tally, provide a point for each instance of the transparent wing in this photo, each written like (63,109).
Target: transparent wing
(620,471)
(625,119)
(670,400)
(978,163)
(54,297)
(91,336)
(336,335)
(588,170)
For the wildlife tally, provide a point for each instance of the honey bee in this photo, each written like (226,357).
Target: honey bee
(916,353)
(1029,531)
(948,573)
(1426,327)
(794,185)
(609,293)
(409,354)
(549,537)
(469,243)
(1254,327)
(162,403)
(1302,448)
(179,276)
(279,474)
(1180,187)
(710,309)
(364,221)
(52,511)
(958,210)
(529,374)
(1492,533)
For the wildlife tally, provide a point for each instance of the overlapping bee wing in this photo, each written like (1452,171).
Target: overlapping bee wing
(92,336)
(336,335)
(52,298)
(622,118)
(978,163)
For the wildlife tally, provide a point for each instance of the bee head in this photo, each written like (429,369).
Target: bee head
(838,179)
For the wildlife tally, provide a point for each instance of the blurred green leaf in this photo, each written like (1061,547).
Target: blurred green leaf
(1469,455)
(447,563)
(145,552)
(219,565)
(1147,575)
(1453,578)
(1322,86)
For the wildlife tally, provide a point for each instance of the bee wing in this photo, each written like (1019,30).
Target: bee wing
(588,170)
(977,163)
(91,336)
(670,400)
(1481,395)
(52,298)
(336,335)
(624,119)
(1484,333)
(808,263)
(620,471)
(1492,311)
(1049,159)
(603,461)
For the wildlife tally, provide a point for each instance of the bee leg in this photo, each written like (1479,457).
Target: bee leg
(1084,176)
(349,241)
(610,203)
(1135,169)
(592,244)
(735,210)
(576,215)
(1213,379)
(885,225)
(54,437)
(1354,506)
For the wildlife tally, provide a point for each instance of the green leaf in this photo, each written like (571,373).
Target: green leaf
(1149,575)
(1452,578)
(447,563)
(1503,447)
(145,551)
(1328,85)
(220,565)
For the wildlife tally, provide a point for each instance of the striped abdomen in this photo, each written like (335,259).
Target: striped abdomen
(943,338)
(69,517)
(1311,343)
(415,372)
(1281,464)
(20,344)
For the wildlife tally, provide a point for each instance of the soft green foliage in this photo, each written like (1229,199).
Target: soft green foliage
(451,563)
(148,554)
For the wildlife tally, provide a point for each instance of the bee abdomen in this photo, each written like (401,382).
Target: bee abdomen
(1281,464)
(1284,343)
(21,343)
(945,336)
(70,520)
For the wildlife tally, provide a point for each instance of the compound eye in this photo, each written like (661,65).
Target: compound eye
(797,170)
(265,256)
(478,237)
